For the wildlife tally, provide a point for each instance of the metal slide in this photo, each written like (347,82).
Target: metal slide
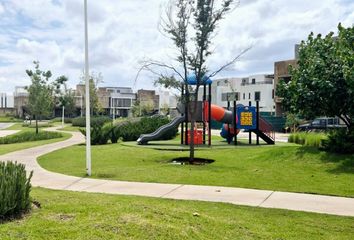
(145,138)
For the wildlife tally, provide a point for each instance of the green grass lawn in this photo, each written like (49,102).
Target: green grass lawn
(9,119)
(70,128)
(17,126)
(70,215)
(287,167)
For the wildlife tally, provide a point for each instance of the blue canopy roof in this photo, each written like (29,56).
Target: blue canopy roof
(192,80)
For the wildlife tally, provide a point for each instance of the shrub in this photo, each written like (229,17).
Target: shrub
(14,190)
(28,136)
(131,131)
(307,139)
(100,131)
(68,120)
(340,141)
(81,121)
(112,132)
(59,119)
(128,130)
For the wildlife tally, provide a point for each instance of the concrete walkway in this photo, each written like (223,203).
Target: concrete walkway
(5,125)
(4,133)
(240,196)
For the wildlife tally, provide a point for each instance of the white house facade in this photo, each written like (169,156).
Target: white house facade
(248,89)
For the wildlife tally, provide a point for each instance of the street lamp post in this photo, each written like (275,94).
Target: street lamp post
(87,82)
(63,116)
(81,104)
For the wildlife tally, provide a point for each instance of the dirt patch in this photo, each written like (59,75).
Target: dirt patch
(65,217)
(197,161)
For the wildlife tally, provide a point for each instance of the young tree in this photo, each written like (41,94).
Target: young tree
(40,102)
(141,109)
(64,97)
(191,25)
(95,80)
(292,122)
(323,82)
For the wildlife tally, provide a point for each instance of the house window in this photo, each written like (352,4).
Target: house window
(224,97)
(249,95)
(257,96)
(253,81)
(273,94)
(244,96)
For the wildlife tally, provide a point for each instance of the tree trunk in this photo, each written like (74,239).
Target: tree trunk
(192,111)
(191,144)
(347,122)
(36,124)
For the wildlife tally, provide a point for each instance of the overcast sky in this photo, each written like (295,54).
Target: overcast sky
(121,33)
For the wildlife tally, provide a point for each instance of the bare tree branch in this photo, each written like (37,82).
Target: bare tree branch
(230,62)
(148,66)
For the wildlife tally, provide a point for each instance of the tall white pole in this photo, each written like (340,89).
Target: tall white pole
(87,81)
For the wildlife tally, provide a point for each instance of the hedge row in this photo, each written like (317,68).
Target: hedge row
(131,131)
(99,121)
(59,119)
(14,190)
(40,124)
(128,130)
(29,136)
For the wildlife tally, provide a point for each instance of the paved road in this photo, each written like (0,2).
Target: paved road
(240,196)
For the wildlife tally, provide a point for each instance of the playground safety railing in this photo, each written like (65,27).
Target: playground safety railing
(266,128)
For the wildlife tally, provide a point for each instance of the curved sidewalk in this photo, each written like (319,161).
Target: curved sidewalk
(240,196)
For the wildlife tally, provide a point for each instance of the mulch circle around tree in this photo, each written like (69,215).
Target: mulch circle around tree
(197,161)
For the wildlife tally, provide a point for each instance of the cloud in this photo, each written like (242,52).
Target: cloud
(1,9)
(123,32)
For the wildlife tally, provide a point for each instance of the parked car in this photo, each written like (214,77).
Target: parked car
(322,124)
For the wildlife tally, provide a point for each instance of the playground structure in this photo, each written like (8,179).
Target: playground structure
(234,119)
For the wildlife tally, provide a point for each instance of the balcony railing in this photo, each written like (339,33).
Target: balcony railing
(257,83)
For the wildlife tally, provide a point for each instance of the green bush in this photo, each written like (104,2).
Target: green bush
(68,120)
(81,121)
(131,131)
(15,190)
(127,130)
(29,136)
(307,139)
(100,131)
(340,141)
(57,119)
(111,132)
